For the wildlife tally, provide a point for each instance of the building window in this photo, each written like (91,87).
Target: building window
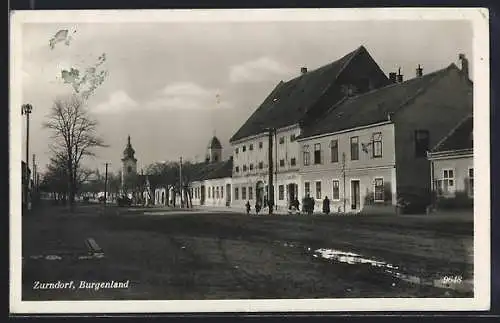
(378,194)
(307,188)
(250,193)
(250,147)
(222,192)
(334,149)
(213,192)
(292,137)
(335,190)
(217,193)
(318,190)
(421,143)
(377,144)
(354,148)
(282,140)
(260,145)
(448,182)
(236,193)
(281,192)
(209,192)
(317,153)
(129,169)
(261,165)
(251,166)
(236,151)
(307,156)
(244,168)
(244,148)
(471,182)
(282,163)
(237,169)
(293,162)
(243,193)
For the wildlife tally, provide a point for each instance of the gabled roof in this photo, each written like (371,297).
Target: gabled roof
(372,107)
(459,138)
(289,102)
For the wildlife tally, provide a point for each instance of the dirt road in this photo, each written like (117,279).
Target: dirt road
(231,256)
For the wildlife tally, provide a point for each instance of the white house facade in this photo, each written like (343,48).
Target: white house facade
(452,162)
(250,177)
(352,168)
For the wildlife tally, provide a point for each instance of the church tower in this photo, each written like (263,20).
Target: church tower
(214,150)
(129,163)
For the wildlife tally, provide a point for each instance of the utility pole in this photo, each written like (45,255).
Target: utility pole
(106,185)
(270,189)
(275,168)
(180,182)
(343,176)
(26,109)
(35,186)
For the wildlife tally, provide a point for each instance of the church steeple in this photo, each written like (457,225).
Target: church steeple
(129,152)
(129,162)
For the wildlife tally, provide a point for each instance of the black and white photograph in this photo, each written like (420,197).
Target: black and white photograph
(244,160)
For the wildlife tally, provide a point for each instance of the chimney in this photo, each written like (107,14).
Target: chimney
(419,71)
(303,70)
(392,77)
(400,76)
(465,64)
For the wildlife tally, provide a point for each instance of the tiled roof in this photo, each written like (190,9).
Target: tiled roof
(205,171)
(461,137)
(372,107)
(289,102)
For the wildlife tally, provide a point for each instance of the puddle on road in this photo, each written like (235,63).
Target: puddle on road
(451,282)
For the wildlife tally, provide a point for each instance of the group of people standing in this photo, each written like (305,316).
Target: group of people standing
(307,205)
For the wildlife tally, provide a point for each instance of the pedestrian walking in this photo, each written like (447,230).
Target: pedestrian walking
(326,205)
(257,208)
(248,207)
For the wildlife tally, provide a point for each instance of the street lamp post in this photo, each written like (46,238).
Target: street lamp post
(26,109)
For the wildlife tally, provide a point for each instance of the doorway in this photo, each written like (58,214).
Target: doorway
(355,192)
(202,196)
(292,192)
(259,193)
(228,194)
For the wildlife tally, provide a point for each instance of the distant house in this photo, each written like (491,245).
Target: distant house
(451,162)
(290,107)
(208,182)
(371,149)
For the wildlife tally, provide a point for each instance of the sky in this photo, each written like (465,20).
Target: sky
(173,85)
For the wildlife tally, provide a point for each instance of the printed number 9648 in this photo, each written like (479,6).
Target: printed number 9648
(452,279)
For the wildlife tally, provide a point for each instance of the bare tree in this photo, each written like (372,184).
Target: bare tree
(74,137)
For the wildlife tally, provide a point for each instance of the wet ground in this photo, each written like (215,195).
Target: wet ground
(201,255)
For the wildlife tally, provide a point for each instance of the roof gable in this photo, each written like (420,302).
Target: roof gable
(289,102)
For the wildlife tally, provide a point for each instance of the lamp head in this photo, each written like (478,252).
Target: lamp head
(26,108)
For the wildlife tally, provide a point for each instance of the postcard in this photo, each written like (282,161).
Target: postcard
(278,160)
